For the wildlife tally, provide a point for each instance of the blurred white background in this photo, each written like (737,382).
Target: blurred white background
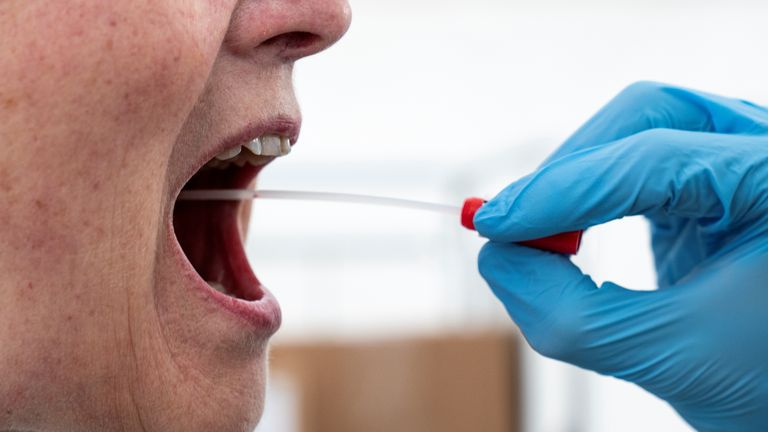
(441,99)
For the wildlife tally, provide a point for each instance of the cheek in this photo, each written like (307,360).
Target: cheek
(129,59)
(98,91)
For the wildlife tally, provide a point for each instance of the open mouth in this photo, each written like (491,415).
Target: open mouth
(211,233)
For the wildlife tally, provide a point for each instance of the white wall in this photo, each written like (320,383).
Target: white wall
(437,99)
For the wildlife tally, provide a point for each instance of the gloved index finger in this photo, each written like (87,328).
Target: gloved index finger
(695,175)
(648,105)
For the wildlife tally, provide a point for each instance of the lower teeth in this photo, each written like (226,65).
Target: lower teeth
(218,287)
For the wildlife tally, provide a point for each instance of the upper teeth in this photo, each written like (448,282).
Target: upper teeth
(228,154)
(257,152)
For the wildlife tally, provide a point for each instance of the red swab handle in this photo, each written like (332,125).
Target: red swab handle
(565,243)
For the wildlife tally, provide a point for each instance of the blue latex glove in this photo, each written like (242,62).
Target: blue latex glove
(696,165)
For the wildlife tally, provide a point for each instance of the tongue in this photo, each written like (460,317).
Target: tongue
(209,235)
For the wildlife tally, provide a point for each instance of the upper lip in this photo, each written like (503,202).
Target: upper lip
(282,125)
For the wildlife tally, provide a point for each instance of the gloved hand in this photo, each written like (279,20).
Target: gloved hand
(696,165)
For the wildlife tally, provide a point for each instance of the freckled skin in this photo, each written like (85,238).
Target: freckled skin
(102,105)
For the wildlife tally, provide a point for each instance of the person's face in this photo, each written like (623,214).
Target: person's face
(107,110)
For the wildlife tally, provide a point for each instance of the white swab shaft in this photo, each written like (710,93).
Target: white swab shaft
(245,194)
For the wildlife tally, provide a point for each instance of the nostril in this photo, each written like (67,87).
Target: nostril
(295,44)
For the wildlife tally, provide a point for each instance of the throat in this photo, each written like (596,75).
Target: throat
(209,235)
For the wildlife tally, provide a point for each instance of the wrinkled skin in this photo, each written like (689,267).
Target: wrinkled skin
(104,107)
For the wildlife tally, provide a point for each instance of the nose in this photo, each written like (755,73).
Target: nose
(286,30)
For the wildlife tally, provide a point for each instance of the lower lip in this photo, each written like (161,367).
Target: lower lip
(261,316)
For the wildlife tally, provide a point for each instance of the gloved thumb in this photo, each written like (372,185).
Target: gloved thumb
(565,316)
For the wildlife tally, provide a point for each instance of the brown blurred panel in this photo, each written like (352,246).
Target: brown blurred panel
(452,383)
